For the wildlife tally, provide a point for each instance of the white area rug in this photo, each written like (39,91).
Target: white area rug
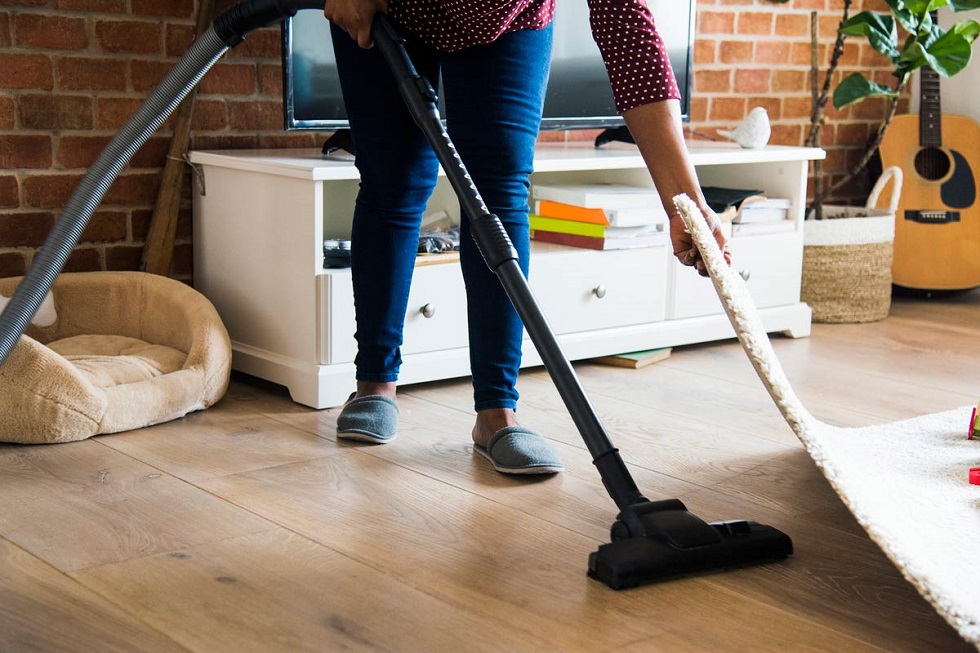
(905,482)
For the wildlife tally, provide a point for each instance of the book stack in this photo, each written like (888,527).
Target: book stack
(763,215)
(598,216)
(750,211)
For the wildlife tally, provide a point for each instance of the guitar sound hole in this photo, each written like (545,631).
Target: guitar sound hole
(932,163)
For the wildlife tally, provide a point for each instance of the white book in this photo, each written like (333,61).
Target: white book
(771,209)
(599,196)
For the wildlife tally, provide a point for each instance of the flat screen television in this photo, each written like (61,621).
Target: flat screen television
(578,94)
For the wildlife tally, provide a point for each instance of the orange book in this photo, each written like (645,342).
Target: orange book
(571,212)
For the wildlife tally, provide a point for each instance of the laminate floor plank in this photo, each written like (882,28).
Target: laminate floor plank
(41,609)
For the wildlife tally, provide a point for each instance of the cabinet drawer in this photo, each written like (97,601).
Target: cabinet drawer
(435,319)
(584,290)
(770,265)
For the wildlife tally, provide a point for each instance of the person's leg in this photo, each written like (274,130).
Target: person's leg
(398,172)
(494,98)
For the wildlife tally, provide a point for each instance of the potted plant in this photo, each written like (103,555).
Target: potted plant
(848,250)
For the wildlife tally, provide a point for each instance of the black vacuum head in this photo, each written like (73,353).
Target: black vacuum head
(676,543)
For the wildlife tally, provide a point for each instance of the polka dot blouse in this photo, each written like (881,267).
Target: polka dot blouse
(634,54)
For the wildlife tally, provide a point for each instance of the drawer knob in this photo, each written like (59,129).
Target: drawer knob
(745,273)
(428,310)
(599,291)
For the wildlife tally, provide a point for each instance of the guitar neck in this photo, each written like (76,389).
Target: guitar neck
(930,109)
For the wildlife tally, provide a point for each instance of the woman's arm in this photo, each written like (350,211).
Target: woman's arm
(355,17)
(656,128)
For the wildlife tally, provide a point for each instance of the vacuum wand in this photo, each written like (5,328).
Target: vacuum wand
(652,540)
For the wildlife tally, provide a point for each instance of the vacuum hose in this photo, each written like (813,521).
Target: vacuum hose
(228,30)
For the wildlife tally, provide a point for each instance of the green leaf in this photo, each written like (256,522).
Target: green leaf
(880,30)
(950,54)
(855,88)
(920,7)
(905,17)
(964,5)
(968,29)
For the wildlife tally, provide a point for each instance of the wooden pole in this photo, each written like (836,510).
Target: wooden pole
(159,248)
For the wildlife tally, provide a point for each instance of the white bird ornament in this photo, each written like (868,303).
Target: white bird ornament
(753,132)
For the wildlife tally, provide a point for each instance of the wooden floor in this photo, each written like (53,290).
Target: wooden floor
(247,527)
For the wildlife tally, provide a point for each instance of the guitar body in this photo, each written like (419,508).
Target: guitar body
(937,223)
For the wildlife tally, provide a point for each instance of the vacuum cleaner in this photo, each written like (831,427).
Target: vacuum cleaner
(651,540)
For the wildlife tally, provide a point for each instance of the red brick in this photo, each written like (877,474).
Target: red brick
(229,79)
(292,140)
(735,52)
(755,22)
(51,32)
(182,263)
(146,74)
(167,8)
(270,79)
(716,22)
(131,189)
(84,259)
(91,74)
(224,141)
(80,151)
(786,135)
(26,71)
(254,116)
(25,229)
(261,44)
(25,151)
(49,191)
(55,112)
(772,105)
(712,81)
(699,109)
(772,52)
(105,227)
(210,115)
(153,154)
(752,80)
(113,113)
(128,36)
(704,51)
(9,193)
(177,39)
(99,6)
(728,109)
(790,81)
(140,221)
(123,257)
(793,25)
(6,112)
(12,264)
(5,39)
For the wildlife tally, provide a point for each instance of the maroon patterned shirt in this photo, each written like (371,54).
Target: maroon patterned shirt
(634,54)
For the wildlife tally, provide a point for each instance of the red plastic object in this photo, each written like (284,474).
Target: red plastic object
(975,475)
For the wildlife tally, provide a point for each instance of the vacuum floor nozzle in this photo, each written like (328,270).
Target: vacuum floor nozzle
(633,561)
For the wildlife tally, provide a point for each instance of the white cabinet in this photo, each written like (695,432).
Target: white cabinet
(260,219)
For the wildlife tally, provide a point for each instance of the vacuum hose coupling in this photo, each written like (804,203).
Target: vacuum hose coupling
(245,17)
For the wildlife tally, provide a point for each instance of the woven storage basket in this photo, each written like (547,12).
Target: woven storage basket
(847,258)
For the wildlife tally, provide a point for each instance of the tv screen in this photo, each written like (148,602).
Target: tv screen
(578,94)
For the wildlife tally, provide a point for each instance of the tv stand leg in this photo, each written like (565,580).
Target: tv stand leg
(620,134)
(340,140)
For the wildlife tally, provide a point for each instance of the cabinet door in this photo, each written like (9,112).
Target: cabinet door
(770,265)
(435,320)
(585,290)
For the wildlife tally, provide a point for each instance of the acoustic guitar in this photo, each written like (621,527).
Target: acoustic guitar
(937,223)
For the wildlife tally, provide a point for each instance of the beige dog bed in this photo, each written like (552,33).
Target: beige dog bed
(113,351)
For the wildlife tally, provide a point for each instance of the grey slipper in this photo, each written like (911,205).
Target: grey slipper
(519,450)
(372,418)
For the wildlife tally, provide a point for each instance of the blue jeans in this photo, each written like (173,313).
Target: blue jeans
(494,96)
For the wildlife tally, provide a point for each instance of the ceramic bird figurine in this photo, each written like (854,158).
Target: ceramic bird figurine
(753,132)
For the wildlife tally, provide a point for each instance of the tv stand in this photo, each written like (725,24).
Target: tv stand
(339,140)
(259,229)
(614,135)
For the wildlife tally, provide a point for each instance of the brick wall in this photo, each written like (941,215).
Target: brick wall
(73,71)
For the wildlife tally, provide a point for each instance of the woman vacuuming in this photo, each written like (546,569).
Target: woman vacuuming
(492,57)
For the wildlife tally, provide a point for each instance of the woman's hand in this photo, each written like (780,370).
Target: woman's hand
(355,17)
(685,250)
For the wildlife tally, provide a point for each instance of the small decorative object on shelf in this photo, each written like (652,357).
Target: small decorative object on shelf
(753,132)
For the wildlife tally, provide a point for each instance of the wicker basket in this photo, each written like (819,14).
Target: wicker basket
(847,259)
